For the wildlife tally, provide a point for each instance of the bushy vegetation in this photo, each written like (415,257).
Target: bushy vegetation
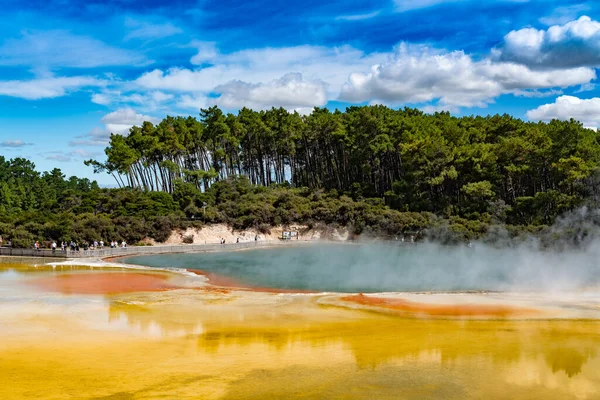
(524,173)
(375,170)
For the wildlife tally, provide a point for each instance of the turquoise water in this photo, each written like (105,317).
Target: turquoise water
(382,268)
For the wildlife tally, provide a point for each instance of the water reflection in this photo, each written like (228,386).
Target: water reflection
(374,340)
(190,344)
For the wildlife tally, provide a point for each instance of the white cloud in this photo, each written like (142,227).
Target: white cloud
(118,122)
(417,74)
(358,17)
(562,15)
(121,120)
(290,91)
(14,143)
(44,88)
(59,157)
(103,98)
(574,44)
(407,5)
(152,100)
(66,156)
(331,65)
(195,103)
(148,30)
(58,48)
(84,153)
(586,111)
(411,74)
(260,72)
(207,52)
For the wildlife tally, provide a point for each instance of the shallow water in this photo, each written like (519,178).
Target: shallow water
(185,342)
(393,268)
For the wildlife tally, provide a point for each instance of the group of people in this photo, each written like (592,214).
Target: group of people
(75,246)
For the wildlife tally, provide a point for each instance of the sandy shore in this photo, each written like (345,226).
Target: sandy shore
(212,234)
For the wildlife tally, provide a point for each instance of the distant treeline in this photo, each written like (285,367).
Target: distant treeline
(377,171)
(522,172)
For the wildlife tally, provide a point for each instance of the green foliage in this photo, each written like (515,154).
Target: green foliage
(374,169)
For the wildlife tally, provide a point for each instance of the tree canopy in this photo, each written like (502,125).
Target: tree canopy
(415,161)
(375,170)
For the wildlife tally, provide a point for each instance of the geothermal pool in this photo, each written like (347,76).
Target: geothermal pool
(392,268)
(108,331)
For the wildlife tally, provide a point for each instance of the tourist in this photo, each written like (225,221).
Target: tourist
(0,241)
(101,244)
(95,244)
(238,240)
(123,244)
(255,238)
(37,245)
(53,247)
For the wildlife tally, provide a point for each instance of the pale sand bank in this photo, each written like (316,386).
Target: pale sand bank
(211,234)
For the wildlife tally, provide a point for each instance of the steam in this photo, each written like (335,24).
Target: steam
(564,258)
(395,267)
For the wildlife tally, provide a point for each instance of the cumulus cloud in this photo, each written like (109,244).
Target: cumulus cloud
(331,65)
(258,72)
(301,77)
(290,91)
(121,120)
(574,44)
(14,144)
(411,74)
(417,74)
(45,88)
(59,48)
(566,107)
(118,122)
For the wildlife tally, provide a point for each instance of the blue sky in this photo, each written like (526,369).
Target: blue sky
(73,71)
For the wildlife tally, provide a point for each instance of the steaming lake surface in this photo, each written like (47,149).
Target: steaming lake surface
(392,268)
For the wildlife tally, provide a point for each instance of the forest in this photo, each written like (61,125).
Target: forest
(376,170)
